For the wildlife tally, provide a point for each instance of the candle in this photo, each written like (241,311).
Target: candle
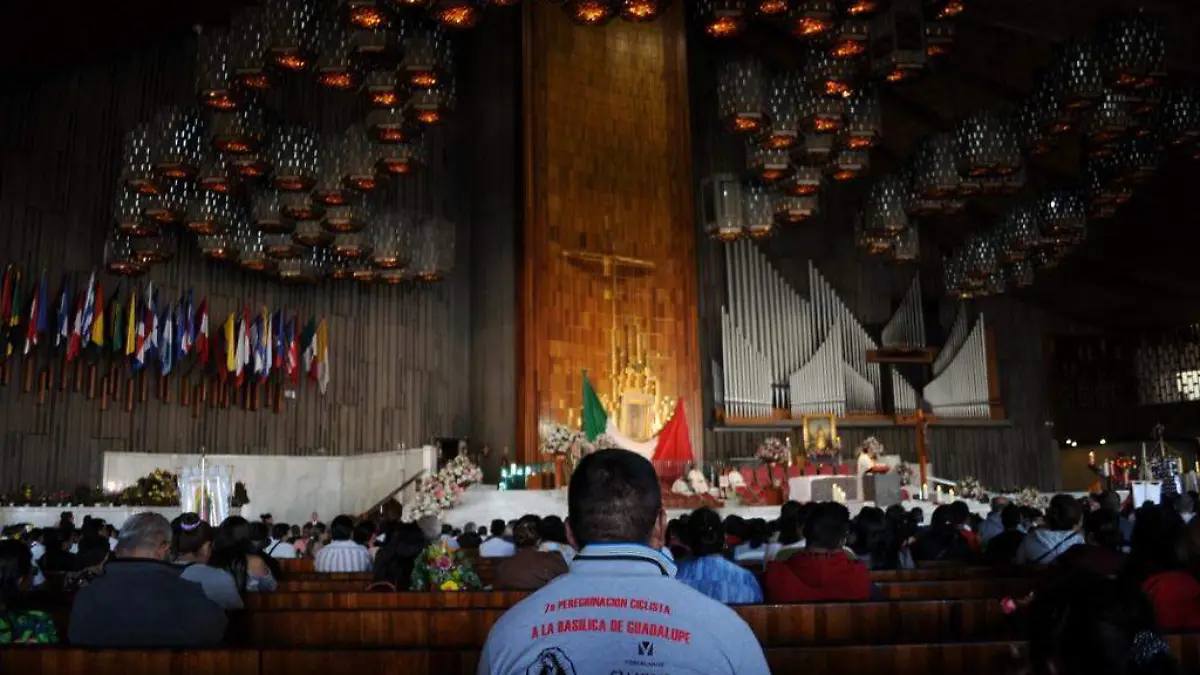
(925,491)
(937,494)
(952,494)
(1198,466)
(1092,458)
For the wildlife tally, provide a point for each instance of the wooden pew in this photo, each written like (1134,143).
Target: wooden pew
(912,659)
(352,596)
(775,625)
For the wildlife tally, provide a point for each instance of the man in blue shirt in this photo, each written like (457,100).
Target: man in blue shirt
(619,609)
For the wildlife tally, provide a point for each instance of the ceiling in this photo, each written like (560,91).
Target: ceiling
(1138,269)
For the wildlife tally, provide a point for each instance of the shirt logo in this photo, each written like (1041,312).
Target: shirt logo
(551,661)
(645,648)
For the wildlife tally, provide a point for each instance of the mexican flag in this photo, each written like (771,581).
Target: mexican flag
(596,421)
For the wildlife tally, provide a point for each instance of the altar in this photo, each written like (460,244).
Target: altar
(820,488)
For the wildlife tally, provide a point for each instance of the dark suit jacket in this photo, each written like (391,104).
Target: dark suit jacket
(529,569)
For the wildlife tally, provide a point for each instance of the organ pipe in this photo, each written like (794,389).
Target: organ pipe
(906,329)
(958,333)
(961,389)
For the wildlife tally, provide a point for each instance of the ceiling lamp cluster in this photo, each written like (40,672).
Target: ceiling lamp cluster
(801,129)
(284,199)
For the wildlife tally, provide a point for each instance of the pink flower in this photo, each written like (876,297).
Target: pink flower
(444,563)
(1008,606)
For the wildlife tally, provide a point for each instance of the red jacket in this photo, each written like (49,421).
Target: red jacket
(816,577)
(1176,598)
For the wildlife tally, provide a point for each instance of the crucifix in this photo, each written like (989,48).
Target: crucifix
(920,423)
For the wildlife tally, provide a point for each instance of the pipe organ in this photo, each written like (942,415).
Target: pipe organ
(906,330)
(959,387)
(904,396)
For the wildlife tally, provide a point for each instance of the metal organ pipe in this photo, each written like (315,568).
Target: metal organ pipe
(954,341)
(906,329)
(961,390)
(904,396)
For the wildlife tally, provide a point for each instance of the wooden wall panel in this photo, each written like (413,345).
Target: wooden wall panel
(400,358)
(607,172)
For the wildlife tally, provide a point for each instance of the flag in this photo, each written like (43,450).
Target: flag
(256,345)
(292,360)
(37,315)
(277,343)
(152,328)
(230,345)
(116,328)
(89,311)
(6,295)
(62,333)
(201,339)
(76,339)
(141,340)
(186,321)
(673,453)
(98,327)
(14,317)
(595,418)
(322,360)
(243,346)
(308,343)
(166,344)
(131,325)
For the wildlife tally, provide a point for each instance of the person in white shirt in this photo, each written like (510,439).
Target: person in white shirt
(342,554)
(1185,507)
(496,546)
(277,548)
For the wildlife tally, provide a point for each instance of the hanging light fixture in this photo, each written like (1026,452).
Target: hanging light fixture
(306,268)
(771,9)
(209,213)
(281,246)
(408,5)
(721,18)
(782,111)
(862,9)
(936,10)
(722,206)
(427,57)
(248,43)
(301,206)
(1102,189)
(816,150)
(358,171)
(939,38)
(1018,233)
(830,77)
(266,212)
(591,12)
(137,165)
(430,107)
(1029,121)
(980,258)
(377,47)
(340,269)
(898,50)
(864,120)
(334,66)
(457,13)
(223,246)
(758,210)
(352,216)
(158,249)
(1133,50)
(400,159)
(767,165)
(392,235)
(382,90)
(813,19)
(850,40)
(1179,117)
(884,212)
(391,125)
(1110,119)
(240,132)
(791,210)
(1060,216)
(295,157)
(292,28)
(871,243)
(213,175)
(368,14)
(641,11)
(849,164)
(129,214)
(906,247)
(365,272)
(351,245)
(252,250)
(740,96)
(310,233)
(1075,75)
(433,255)
(1136,160)
(987,146)
(935,167)
(119,257)
(329,190)
(169,206)
(178,141)
(214,72)
(804,182)
(917,205)
(820,115)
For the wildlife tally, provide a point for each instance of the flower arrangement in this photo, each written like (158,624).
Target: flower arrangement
(461,471)
(1029,496)
(440,569)
(159,488)
(969,488)
(907,473)
(558,439)
(443,490)
(602,442)
(772,451)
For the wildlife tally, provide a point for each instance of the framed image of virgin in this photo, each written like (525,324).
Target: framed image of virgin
(820,436)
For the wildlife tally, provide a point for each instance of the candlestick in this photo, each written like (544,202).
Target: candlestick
(951,494)
(1091,458)
(937,494)
(924,491)
(1198,466)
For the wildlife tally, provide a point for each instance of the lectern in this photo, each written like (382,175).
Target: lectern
(882,488)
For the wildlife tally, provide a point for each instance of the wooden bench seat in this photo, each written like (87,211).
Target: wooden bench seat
(775,625)
(913,659)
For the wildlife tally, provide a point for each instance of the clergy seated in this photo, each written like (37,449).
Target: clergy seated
(528,569)
(823,571)
(141,601)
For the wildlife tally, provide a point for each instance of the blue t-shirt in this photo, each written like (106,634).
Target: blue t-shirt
(620,609)
(721,579)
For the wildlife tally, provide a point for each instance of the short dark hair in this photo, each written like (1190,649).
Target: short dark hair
(93,550)
(280,530)
(614,496)
(1010,517)
(827,526)
(363,531)
(1064,512)
(498,527)
(704,533)
(525,534)
(342,528)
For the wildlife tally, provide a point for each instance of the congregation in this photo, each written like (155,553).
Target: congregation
(1101,582)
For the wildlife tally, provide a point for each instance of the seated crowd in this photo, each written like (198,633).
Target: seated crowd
(1108,577)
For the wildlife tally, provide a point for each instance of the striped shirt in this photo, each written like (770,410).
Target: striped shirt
(342,556)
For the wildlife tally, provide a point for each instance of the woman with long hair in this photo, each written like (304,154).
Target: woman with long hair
(191,547)
(394,562)
(233,551)
(708,570)
(18,626)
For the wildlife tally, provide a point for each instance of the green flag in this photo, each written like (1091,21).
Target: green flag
(595,419)
(116,324)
